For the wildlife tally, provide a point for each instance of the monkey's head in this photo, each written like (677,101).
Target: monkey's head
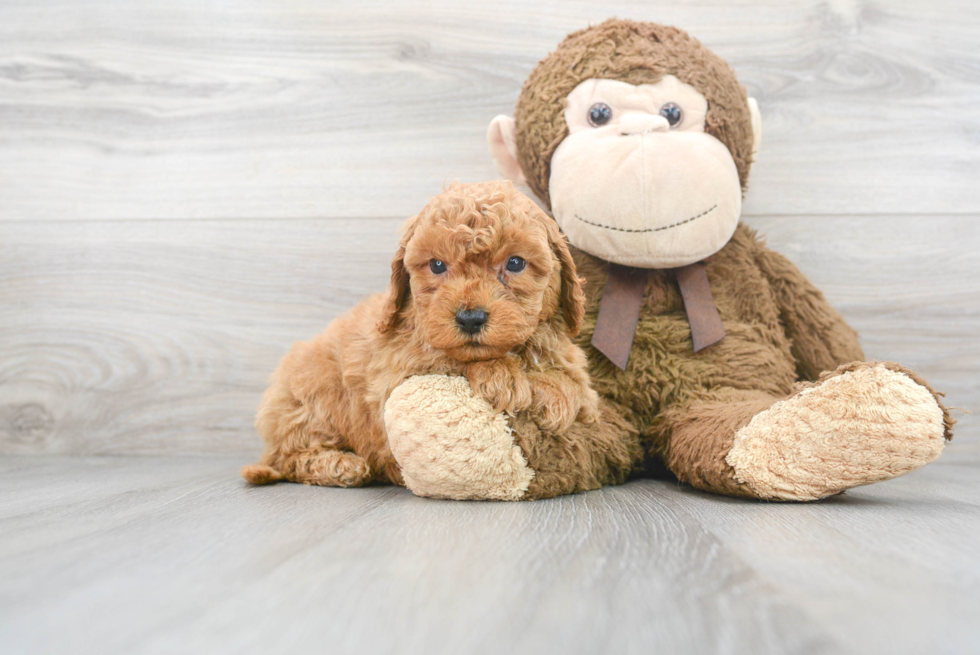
(638,138)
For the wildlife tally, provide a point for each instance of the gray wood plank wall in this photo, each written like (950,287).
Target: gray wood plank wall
(186,188)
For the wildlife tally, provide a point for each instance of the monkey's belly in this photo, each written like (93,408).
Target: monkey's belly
(663,369)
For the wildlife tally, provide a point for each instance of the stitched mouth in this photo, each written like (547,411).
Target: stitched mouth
(650,229)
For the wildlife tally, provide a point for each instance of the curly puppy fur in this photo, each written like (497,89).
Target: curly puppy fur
(322,416)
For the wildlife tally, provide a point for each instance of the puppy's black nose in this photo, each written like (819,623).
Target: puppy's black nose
(471,321)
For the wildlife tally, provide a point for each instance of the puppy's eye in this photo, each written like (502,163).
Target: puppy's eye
(516,264)
(599,114)
(437,266)
(672,113)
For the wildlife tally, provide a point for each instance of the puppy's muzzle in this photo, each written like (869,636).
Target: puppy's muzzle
(471,321)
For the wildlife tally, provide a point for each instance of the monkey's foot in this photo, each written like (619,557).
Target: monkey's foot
(863,423)
(450,443)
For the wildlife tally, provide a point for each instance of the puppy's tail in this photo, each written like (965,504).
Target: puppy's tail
(261,474)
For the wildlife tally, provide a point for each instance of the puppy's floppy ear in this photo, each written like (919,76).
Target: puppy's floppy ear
(572,296)
(398,288)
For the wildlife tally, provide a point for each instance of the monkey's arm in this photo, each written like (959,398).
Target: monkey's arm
(821,340)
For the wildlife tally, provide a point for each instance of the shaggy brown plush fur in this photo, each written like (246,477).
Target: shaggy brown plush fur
(637,53)
(322,416)
(687,407)
(779,329)
(584,457)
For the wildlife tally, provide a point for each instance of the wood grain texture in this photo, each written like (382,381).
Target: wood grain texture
(268,109)
(162,555)
(159,336)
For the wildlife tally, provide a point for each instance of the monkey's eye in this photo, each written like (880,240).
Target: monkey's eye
(672,113)
(516,264)
(437,266)
(599,114)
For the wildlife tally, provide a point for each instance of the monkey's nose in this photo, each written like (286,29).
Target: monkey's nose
(471,321)
(641,123)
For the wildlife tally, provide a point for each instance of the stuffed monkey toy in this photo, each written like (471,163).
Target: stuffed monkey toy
(715,352)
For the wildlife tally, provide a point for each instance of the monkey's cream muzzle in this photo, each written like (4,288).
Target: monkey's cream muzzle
(636,190)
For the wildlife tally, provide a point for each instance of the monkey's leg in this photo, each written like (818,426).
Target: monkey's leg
(863,423)
(695,438)
(451,443)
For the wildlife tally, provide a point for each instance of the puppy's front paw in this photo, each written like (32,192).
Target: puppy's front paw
(501,382)
(450,443)
(558,402)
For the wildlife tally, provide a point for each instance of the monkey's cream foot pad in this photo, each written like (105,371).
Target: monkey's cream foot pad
(450,443)
(859,427)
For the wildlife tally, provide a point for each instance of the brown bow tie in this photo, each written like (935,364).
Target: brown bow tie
(619,309)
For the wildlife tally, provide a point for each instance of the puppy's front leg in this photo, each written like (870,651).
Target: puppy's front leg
(559,399)
(501,382)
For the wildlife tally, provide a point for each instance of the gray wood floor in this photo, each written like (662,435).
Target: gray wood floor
(186,188)
(175,555)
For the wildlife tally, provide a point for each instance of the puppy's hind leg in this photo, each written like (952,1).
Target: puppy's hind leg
(303,445)
(326,467)
(260,474)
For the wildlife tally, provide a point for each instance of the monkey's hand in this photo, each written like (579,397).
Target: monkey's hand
(501,382)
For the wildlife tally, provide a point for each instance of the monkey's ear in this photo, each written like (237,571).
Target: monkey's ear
(756,125)
(398,288)
(503,148)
